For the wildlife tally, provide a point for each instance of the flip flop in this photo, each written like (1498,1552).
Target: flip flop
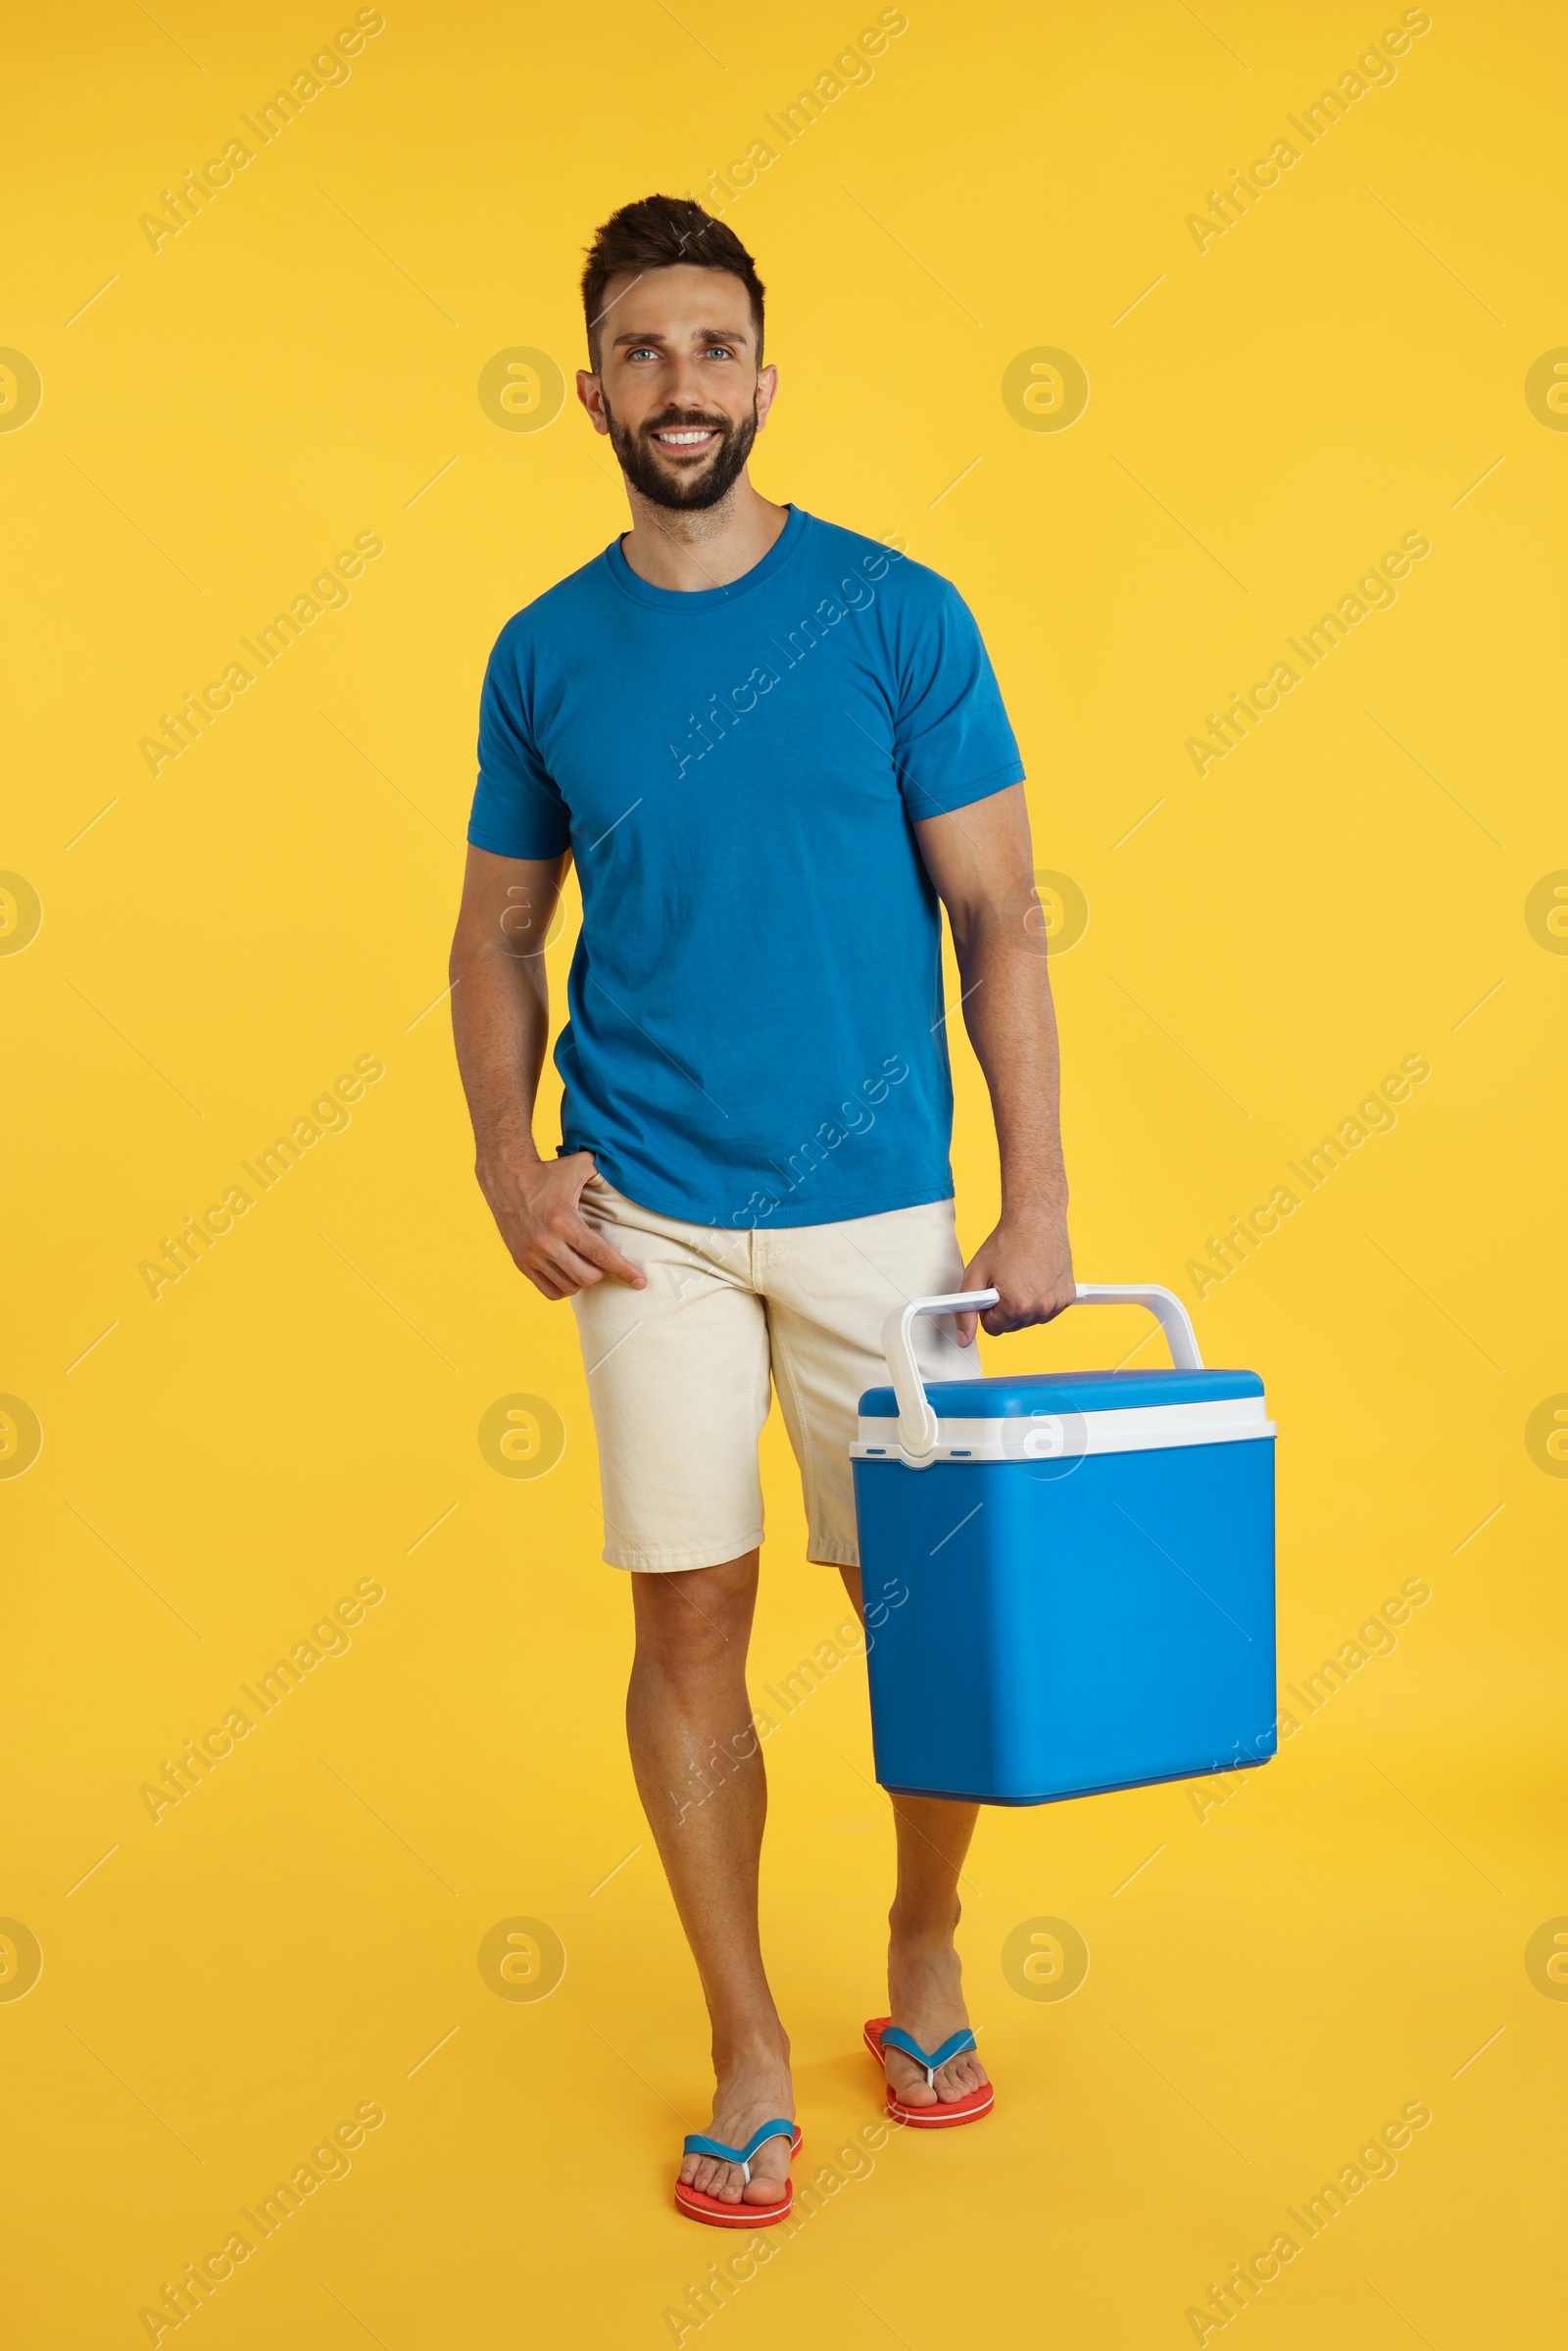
(881,2033)
(698,2205)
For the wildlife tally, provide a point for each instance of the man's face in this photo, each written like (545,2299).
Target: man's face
(678,388)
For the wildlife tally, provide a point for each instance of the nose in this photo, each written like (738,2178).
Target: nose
(684,386)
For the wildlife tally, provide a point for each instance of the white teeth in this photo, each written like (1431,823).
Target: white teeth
(684,440)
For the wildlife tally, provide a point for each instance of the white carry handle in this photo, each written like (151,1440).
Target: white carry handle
(917,1422)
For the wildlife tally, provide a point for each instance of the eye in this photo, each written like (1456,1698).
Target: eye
(643,351)
(718,351)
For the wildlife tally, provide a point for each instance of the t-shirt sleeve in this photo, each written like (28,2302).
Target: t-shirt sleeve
(950,738)
(518,807)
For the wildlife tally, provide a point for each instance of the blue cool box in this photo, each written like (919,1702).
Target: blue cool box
(1069,1577)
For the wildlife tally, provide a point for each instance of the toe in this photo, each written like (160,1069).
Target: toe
(766,2184)
(958,2077)
(908,2084)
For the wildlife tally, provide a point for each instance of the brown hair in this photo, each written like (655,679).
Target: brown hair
(663,232)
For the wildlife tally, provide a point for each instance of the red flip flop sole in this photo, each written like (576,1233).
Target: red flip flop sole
(697,2205)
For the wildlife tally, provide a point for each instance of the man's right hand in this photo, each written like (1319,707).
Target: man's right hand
(534,1203)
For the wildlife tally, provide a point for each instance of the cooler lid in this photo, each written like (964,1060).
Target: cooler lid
(1031,1393)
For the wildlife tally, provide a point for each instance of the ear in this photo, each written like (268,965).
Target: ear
(766,387)
(592,398)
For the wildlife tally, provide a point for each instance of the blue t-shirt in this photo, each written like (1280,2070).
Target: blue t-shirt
(756,1033)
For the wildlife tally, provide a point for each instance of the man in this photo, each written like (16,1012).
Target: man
(770,746)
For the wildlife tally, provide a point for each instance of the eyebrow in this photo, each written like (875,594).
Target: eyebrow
(709,334)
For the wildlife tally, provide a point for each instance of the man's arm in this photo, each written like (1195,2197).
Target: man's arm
(981,864)
(499,1023)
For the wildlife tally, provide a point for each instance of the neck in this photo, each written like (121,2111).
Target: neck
(710,547)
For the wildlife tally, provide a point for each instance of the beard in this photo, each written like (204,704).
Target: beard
(645,469)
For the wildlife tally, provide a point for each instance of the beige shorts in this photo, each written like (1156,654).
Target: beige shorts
(678,1373)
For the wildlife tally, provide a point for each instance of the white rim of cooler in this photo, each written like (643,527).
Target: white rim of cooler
(1069,1436)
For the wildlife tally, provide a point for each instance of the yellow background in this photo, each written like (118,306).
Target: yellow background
(292,1939)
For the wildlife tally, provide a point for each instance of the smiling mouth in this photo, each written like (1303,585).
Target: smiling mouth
(686,438)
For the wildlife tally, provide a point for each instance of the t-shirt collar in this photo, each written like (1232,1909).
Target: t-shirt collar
(699,599)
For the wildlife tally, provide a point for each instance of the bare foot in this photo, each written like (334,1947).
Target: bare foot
(753,2091)
(925,1999)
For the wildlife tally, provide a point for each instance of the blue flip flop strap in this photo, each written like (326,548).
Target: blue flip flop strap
(956,2044)
(696,2144)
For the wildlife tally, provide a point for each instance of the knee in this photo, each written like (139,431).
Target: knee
(680,1652)
(695,1625)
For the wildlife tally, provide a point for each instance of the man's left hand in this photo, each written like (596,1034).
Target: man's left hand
(1028,1258)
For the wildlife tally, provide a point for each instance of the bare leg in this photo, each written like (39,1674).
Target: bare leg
(925,1994)
(700,1774)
